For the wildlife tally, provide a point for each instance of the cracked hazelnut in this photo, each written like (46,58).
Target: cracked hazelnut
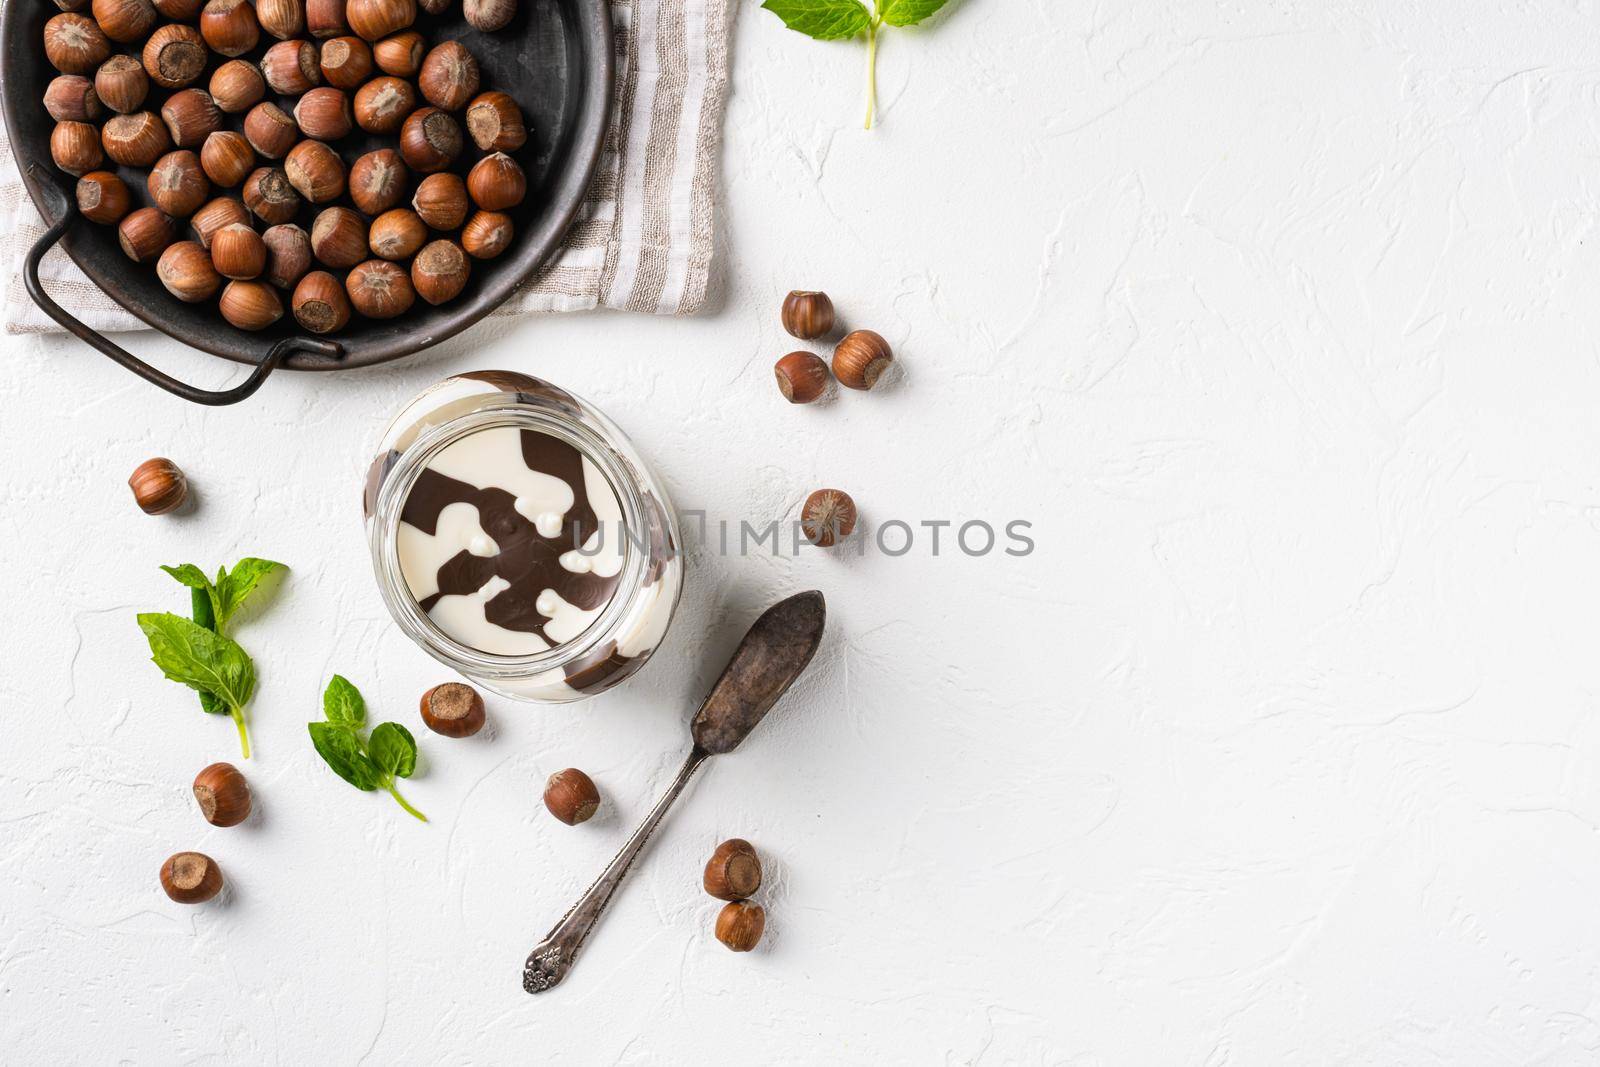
(121,84)
(488,15)
(270,130)
(339,237)
(400,55)
(441,200)
(316,171)
(741,924)
(191,116)
(571,796)
(227,158)
(269,196)
(430,140)
(191,877)
(103,197)
(381,105)
(223,795)
(487,234)
(237,85)
(320,303)
(324,114)
(214,215)
(807,315)
(288,254)
(135,140)
(174,56)
(238,252)
(495,122)
(75,147)
(346,62)
(397,234)
(860,359)
(158,486)
(281,18)
(230,26)
(440,271)
(377,181)
(802,377)
(496,182)
(829,516)
(379,289)
(325,18)
(453,709)
(449,76)
(185,269)
(74,44)
(177,185)
(290,67)
(73,98)
(250,305)
(734,870)
(125,21)
(145,234)
(375,19)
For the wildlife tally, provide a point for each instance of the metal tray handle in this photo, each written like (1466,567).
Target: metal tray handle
(67,211)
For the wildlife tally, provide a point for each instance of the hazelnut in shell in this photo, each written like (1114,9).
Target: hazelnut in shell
(802,377)
(145,234)
(135,140)
(191,116)
(571,796)
(453,710)
(807,315)
(488,15)
(441,201)
(440,271)
(734,870)
(400,54)
(185,269)
(495,122)
(339,237)
(74,44)
(223,795)
(381,105)
(158,486)
(827,517)
(496,182)
(430,140)
(270,197)
(316,171)
(376,19)
(290,67)
(487,234)
(320,303)
(75,147)
(229,26)
(238,252)
(227,158)
(288,255)
(397,234)
(325,18)
(73,98)
(740,925)
(125,21)
(346,62)
(449,76)
(103,197)
(121,84)
(191,877)
(324,114)
(174,55)
(860,359)
(379,289)
(177,185)
(282,18)
(270,130)
(378,181)
(216,214)
(237,85)
(250,305)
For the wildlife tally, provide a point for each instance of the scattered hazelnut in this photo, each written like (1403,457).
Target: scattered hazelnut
(288,255)
(237,85)
(320,303)
(339,237)
(74,44)
(238,252)
(379,289)
(103,197)
(453,709)
(125,21)
(316,171)
(270,197)
(381,105)
(281,18)
(430,140)
(290,67)
(325,18)
(802,377)
(75,147)
(227,158)
(230,26)
(397,234)
(488,15)
(828,516)
(250,305)
(191,877)
(734,870)
(571,796)
(270,130)
(73,98)
(495,123)
(487,234)
(807,315)
(346,62)
(440,271)
(324,114)
(496,182)
(158,486)
(740,925)
(145,234)
(377,181)
(121,84)
(449,76)
(177,185)
(135,140)
(223,795)
(400,55)
(860,358)
(174,55)
(441,200)
(185,269)
(216,214)
(191,116)
(374,19)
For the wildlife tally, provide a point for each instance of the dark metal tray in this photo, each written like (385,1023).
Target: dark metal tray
(555,58)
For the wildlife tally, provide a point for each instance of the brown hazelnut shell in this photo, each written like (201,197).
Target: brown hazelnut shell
(158,486)
(453,709)
(223,795)
(571,796)
(740,925)
(734,870)
(860,359)
(191,877)
(320,303)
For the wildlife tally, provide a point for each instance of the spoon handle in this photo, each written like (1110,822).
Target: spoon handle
(552,958)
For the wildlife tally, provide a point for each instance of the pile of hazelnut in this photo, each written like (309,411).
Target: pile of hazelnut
(365,70)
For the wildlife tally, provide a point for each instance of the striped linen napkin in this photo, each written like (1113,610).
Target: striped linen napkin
(642,240)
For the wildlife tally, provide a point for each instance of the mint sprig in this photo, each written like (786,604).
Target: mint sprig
(837,20)
(368,763)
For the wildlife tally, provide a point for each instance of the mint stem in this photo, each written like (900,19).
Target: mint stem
(402,801)
(872,71)
(244,735)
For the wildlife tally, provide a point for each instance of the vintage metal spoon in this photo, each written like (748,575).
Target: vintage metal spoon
(767,662)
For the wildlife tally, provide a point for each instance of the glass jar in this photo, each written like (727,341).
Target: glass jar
(518,538)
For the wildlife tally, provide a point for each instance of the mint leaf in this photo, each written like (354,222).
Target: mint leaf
(909,12)
(342,704)
(393,749)
(824,20)
(200,610)
(189,575)
(196,657)
(235,586)
(340,750)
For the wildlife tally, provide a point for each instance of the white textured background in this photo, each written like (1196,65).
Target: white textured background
(1279,322)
